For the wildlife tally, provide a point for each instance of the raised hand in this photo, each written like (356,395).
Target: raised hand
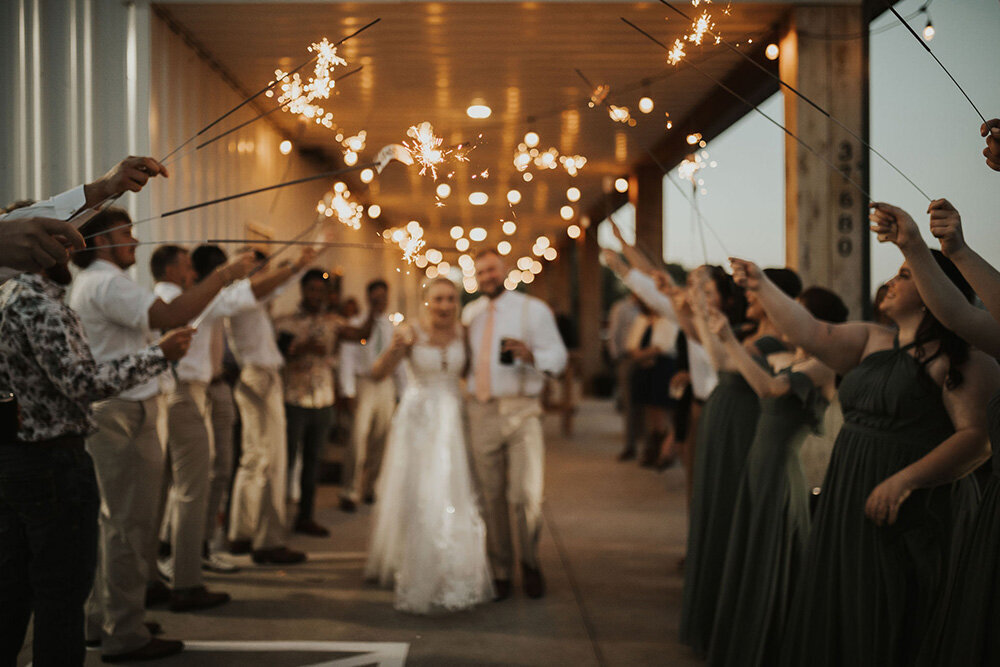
(175,343)
(403,339)
(946,226)
(614,262)
(32,244)
(718,324)
(306,258)
(991,131)
(892,224)
(131,174)
(239,266)
(746,274)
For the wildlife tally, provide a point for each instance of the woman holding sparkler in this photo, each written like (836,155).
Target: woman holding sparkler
(913,401)
(429,540)
(965,628)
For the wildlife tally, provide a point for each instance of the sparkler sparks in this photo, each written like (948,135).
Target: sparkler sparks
(298,96)
(337,203)
(676,52)
(410,240)
(426,148)
(699,27)
(619,114)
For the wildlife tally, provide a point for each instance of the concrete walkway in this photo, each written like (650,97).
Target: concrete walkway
(610,549)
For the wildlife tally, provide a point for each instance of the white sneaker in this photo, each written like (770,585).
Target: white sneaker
(165,567)
(216,563)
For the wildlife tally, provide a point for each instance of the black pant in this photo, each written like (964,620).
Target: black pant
(308,430)
(48,549)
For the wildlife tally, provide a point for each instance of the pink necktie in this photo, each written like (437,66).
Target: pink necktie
(485,357)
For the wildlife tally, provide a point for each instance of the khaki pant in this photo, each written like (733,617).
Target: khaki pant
(372,418)
(258,507)
(508,458)
(221,417)
(128,459)
(188,464)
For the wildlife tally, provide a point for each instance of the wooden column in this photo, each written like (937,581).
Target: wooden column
(826,231)
(590,309)
(646,194)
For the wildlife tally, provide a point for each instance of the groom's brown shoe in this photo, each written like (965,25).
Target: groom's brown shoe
(531,578)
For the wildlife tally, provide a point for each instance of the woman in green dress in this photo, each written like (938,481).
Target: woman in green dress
(913,401)
(965,629)
(771,518)
(725,432)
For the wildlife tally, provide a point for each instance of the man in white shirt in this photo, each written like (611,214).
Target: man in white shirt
(189,447)
(374,400)
(118,316)
(514,344)
(257,521)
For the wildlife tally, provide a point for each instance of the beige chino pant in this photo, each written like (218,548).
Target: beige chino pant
(508,458)
(128,459)
(258,507)
(189,462)
(372,419)
(221,417)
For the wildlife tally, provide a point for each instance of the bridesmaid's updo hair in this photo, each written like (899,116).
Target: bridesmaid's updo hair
(786,279)
(950,344)
(824,305)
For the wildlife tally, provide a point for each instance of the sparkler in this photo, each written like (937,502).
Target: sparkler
(756,108)
(804,98)
(938,61)
(426,148)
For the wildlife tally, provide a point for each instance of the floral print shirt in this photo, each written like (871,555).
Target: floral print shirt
(46,363)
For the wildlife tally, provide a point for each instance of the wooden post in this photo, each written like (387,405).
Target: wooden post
(646,194)
(826,231)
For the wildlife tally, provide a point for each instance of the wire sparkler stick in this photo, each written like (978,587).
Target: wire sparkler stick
(936,59)
(208,142)
(265,89)
(803,97)
(756,108)
(252,242)
(238,195)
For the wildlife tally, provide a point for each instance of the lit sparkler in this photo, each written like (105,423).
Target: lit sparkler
(619,114)
(699,27)
(676,52)
(426,148)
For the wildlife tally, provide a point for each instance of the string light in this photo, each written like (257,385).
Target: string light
(573,231)
(621,185)
(457,232)
(504,248)
(509,227)
(367,175)
(478,110)
(513,196)
(374,211)
(929,29)
(531,139)
(771,52)
(645,105)
(443,190)
(566,212)
(478,198)
(573,194)
(462,245)
(285,147)
(477,234)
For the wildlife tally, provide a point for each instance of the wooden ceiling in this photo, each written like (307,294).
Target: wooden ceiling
(428,61)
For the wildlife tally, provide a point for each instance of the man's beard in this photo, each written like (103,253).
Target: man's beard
(59,274)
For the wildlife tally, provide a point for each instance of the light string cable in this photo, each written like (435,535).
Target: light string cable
(936,59)
(802,97)
(666,173)
(784,129)
(264,114)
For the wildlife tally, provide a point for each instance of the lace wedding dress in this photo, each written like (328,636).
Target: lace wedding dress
(429,540)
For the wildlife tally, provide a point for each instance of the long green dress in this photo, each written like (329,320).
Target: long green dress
(866,594)
(769,531)
(967,629)
(725,432)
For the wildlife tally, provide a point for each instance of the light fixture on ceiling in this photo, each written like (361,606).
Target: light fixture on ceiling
(477,234)
(566,212)
(573,194)
(285,147)
(531,139)
(513,196)
(443,190)
(646,104)
(478,198)
(573,231)
(771,52)
(367,175)
(478,110)
(621,184)
(374,211)
(509,227)
(504,248)
(457,232)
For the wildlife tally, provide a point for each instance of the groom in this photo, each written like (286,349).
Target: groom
(515,344)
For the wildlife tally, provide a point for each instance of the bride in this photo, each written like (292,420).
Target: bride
(429,539)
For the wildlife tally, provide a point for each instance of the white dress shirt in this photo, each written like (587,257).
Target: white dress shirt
(620,319)
(252,339)
(60,207)
(664,335)
(357,359)
(527,319)
(704,377)
(114,312)
(196,365)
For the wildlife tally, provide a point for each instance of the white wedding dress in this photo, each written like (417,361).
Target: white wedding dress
(429,540)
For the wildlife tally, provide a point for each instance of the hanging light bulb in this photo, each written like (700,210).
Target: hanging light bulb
(531,139)
(929,29)
(645,105)
(771,52)
(513,196)
(573,194)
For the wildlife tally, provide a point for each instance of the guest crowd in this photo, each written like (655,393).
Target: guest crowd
(129,467)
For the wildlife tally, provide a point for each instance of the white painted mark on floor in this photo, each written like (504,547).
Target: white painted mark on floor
(383,654)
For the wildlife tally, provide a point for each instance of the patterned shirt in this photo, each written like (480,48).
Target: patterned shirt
(46,363)
(309,380)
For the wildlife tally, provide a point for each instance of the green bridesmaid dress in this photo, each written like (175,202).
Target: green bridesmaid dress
(967,631)
(725,432)
(866,594)
(769,531)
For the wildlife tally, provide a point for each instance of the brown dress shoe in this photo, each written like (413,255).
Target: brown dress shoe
(199,597)
(534,583)
(501,589)
(154,650)
(310,527)
(278,556)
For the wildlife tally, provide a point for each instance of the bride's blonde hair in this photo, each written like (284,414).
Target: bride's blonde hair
(431,284)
